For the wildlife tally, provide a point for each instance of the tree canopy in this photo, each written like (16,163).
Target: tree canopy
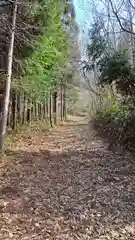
(41,45)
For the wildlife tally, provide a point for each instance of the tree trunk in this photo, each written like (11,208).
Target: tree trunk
(29,112)
(3,123)
(50,110)
(32,111)
(24,109)
(61,103)
(131,38)
(18,109)
(47,108)
(64,104)
(37,114)
(14,111)
(55,106)
(44,109)
(39,111)
(9,114)
(36,111)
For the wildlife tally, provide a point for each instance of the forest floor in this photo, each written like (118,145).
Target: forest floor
(66,184)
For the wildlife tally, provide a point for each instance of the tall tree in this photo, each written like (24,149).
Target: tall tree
(4,117)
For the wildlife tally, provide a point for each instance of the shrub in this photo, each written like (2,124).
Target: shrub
(117,124)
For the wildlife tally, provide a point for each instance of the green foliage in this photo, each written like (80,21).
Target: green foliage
(119,114)
(116,68)
(115,116)
(49,55)
(112,66)
(117,124)
(96,47)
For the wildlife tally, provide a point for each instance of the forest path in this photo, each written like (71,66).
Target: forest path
(66,184)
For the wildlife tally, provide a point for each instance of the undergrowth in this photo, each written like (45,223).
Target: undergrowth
(25,132)
(117,124)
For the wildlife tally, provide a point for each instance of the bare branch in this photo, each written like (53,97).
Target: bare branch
(119,21)
(89,85)
(132,4)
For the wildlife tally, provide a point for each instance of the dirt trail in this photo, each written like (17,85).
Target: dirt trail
(66,184)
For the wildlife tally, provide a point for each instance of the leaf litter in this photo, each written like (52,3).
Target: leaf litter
(66,184)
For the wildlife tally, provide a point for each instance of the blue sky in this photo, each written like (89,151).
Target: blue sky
(79,11)
(83,18)
(83,13)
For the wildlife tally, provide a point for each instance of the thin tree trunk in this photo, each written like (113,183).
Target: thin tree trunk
(18,109)
(47,108)
(39,111)
(24,109)
(14,111)
(29,111)
(44,109)
(9,114)
(61,103)
(131,38)
(21,108)
(55,105)
(37,114)
(32,111)
(35,111)
(50,110)
(8,82)
(64,104)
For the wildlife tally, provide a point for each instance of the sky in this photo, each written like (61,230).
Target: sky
(83,18)
(83,12)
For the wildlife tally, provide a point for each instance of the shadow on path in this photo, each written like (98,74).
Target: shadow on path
(69,186)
